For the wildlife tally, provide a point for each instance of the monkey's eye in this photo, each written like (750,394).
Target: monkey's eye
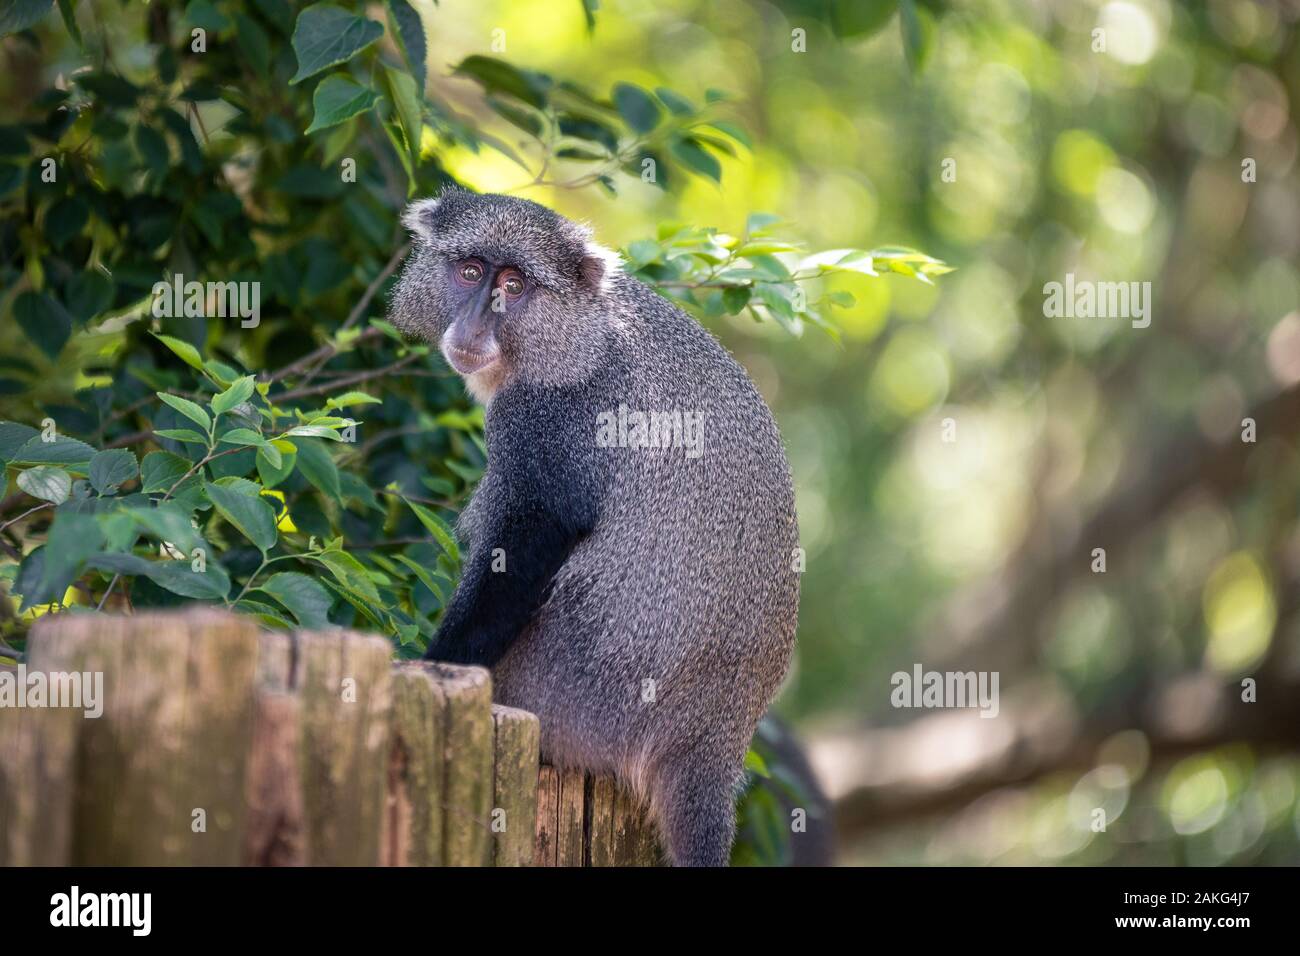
(513,284)
(471,272)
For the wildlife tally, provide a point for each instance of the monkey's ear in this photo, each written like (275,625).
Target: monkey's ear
(600,266)
(418,217)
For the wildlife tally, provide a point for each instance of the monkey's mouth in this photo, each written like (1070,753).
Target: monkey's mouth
(466,362)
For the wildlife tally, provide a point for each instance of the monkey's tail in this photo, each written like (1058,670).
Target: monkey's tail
(794,786)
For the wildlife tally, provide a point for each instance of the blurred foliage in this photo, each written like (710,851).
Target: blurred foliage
(254,158)
(1007,137)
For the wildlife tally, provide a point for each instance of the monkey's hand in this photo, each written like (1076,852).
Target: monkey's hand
(512,562)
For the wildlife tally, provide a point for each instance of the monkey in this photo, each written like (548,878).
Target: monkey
(632,586)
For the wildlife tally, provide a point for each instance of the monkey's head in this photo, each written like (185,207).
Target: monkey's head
(507,288)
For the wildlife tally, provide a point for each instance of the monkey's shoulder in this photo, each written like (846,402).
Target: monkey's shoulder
(541,450)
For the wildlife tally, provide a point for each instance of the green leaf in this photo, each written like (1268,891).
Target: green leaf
(242,436)
(371,613)
(755,763)
(246,436)
(858,18)
(70,20)
(188,353)
(350,573)
(675,102)
(169,522)
(338,99)
(736,133)
(18,15)
(317,466)
(65,219)
(160,470)
(71,540)
(47,483)
(498,76)
(28,582)
(308,601)
(254,42)
(312,431)
(406,98)
(695,157)
(352,398)
(190,410)
(252,516)
(151,146)
(68,452)
(427,579)
(395,137)
(918,33)
(411,39)
(46,323)
(438,528)
(177,576)
(272,474)
(111,469)
(88,293)
(268,615)
(325,35)
(240,391)
(182,434)
(637,107)
(13,436)
(735,298)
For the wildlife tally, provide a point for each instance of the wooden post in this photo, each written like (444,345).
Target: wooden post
(222,744)
(37,755)
(560,811)
(413,831)
(276,832)
(163,769)
(635,840)
(466,697)
(514,785)
(600,821)
(346,690)
(589,820)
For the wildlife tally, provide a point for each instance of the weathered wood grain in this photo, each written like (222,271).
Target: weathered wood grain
(312,748)
(275,833)
(599,828)
(37,767)
(548,817)
(635,841)
(345,686)
(466,696)
(162,771)
(413,818)
(514,785)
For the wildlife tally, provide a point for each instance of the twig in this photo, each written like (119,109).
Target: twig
(107,591)
(350,380)
(29,511)
(325,353)
(130,439)
(359,309)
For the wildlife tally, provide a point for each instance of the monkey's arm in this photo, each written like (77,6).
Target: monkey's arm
(536,504)
(511,563)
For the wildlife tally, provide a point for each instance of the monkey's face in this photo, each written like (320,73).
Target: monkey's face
(482,294)
(507,288)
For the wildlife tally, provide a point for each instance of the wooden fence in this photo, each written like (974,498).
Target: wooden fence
(222,744)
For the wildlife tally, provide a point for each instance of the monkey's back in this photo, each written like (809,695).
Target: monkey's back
(670,625)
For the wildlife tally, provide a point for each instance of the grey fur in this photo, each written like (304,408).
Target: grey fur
(687,577)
